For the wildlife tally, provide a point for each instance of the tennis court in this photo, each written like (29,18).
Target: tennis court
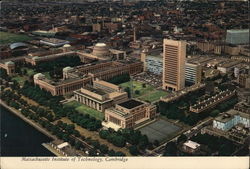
(160,130)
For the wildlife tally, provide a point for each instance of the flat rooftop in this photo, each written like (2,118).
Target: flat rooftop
(130,104)
(95,90)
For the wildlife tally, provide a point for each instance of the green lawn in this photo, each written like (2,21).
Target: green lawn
(30,72)
(81,108)
(153,96)
(19,79)
(148,93)
(6,38)
(47,75)
(138,86)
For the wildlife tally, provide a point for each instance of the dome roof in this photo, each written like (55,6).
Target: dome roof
(35,58)
(17,45)
(100,45)
(9,63)
(67,69)
(100,49)
(39,76)
(66,45)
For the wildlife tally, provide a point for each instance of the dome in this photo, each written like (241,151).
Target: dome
(66,45)
(17,45)
(39,76)
(9,63)
(35,58)
(101,45)
(66,69)
(100,49)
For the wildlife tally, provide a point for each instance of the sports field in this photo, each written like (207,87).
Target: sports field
(6,37)
(81,108)
(160,130)
(146,93)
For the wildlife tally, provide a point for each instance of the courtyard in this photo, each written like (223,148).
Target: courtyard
(81,108)
(143,91)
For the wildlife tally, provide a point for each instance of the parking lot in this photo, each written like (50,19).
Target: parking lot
(160,130)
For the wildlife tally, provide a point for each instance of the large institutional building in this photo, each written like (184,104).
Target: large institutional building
(129,114)
(77,77)
(101,95)
(174,56)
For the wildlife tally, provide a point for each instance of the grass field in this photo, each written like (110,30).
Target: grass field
(153,96)
(85,109)
(19,79)
(6,38)
(147,93)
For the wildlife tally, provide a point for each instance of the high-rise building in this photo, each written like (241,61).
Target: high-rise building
(192,73)
(174,56)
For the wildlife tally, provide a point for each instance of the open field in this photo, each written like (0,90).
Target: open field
(6,38)
(85,109)
(147,93)
(160,130)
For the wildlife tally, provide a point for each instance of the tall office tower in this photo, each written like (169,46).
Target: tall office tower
(174,56)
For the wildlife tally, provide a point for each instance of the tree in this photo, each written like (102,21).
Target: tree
(137,92)
(170,149)
(156,143)
(214,113)
(182,138)
(104,149)
(133,150)
(144,85)
(127,89)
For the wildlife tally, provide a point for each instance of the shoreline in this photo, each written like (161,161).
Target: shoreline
(30,122)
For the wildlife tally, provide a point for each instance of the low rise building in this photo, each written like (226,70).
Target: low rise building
(53,42)
(101,95)
(191,146)
(129,114)
(211,102)
(231,118)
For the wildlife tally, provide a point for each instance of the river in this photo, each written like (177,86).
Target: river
(19,138)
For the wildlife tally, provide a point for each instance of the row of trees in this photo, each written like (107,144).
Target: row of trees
(120,79)
(121,137)
(64,131)
(84,120)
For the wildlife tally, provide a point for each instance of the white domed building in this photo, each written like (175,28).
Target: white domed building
(101,49)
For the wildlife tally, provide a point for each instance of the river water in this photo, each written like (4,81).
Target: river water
(18,138)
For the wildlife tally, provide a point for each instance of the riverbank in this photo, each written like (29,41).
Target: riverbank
(30,122)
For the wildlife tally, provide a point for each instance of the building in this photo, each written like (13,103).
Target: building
(211,102)
(191,146)
(192,73)
(60,87)
(53,42)
(101,95)
(174,56)
(96,27)
(152,63)
(129,114)
(228,66)
(77,77)
(244,80)
(237,36)
(231,118)
(9,67)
